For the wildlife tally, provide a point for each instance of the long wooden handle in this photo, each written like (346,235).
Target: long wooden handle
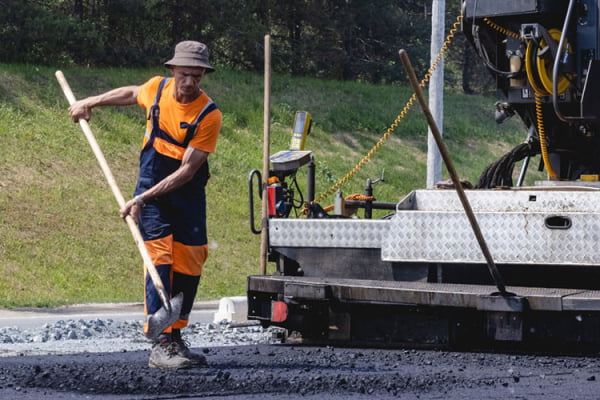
(135,231)
(264,232)
(412,77)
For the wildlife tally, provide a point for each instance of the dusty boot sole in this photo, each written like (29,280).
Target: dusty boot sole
(184,365)
(197,360)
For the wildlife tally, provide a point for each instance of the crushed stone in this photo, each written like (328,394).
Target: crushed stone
(106,335)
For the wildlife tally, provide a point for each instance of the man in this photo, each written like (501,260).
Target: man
(169,199)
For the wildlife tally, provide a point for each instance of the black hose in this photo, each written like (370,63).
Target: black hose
(499,173)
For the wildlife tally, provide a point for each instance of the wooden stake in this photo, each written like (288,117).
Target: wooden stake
(264,233)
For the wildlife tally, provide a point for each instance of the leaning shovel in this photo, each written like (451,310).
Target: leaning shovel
(169,313)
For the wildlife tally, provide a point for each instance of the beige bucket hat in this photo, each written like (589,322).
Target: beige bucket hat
(190,53)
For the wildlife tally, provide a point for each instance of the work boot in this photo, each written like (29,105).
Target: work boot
(183,350)
(165,355)
(197,360)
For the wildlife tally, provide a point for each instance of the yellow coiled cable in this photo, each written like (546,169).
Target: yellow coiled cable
(542,135)
(501,29)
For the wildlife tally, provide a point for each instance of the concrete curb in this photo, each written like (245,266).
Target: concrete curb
(92,308)
(227,309)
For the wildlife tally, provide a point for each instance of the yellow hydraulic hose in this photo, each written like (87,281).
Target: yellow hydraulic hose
(540,79)
(545,68)
(530,70)
(542,70)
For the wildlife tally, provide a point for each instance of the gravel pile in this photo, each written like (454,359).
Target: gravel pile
(106,335)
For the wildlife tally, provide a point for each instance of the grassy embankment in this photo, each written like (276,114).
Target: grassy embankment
(61,240)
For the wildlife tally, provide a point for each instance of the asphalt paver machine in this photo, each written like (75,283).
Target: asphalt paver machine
(418,274)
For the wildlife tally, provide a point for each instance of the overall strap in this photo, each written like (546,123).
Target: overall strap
(191,128)
(154,111)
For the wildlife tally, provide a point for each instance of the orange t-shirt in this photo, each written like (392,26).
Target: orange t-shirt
(172,113)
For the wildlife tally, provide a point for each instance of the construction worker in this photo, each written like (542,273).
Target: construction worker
(183,124)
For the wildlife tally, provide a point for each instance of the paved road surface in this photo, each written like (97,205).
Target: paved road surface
(276,371)
(300,372)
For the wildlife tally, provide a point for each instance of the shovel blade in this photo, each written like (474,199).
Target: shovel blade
(163,318)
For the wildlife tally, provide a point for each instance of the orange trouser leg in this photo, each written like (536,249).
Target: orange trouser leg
(188,262)
(160,251)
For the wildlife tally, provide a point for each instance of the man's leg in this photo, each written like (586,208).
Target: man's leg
(160,253)
(165,352)
(158,238)
(187,270)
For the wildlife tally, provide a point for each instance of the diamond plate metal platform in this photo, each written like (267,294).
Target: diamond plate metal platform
(421,293)
(552,226)
(345,233)
(550,199)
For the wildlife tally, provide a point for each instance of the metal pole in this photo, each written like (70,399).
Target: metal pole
(264,234)
(436,92)
(310,192)
(523,171)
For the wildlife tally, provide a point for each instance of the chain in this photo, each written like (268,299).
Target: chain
(398,119)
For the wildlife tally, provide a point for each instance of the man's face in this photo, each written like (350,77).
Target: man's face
(187,79)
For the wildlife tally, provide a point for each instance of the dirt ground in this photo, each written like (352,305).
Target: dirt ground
(294,372)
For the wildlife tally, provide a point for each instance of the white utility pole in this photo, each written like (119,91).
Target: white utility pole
(436,92)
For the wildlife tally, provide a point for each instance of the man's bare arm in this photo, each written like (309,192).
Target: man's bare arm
(191,162)
(123,96)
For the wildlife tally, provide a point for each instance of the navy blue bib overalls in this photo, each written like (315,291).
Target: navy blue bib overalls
(173,225)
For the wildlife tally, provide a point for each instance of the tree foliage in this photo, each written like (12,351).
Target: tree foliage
(337,39)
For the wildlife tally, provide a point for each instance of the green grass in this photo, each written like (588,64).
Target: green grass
(62,241)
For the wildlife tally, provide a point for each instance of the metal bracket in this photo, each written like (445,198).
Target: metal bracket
(496,302)
(505,326)
(504,316)
(306,291)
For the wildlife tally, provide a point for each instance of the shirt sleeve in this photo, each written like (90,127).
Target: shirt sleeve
(208,132)
(147,92)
